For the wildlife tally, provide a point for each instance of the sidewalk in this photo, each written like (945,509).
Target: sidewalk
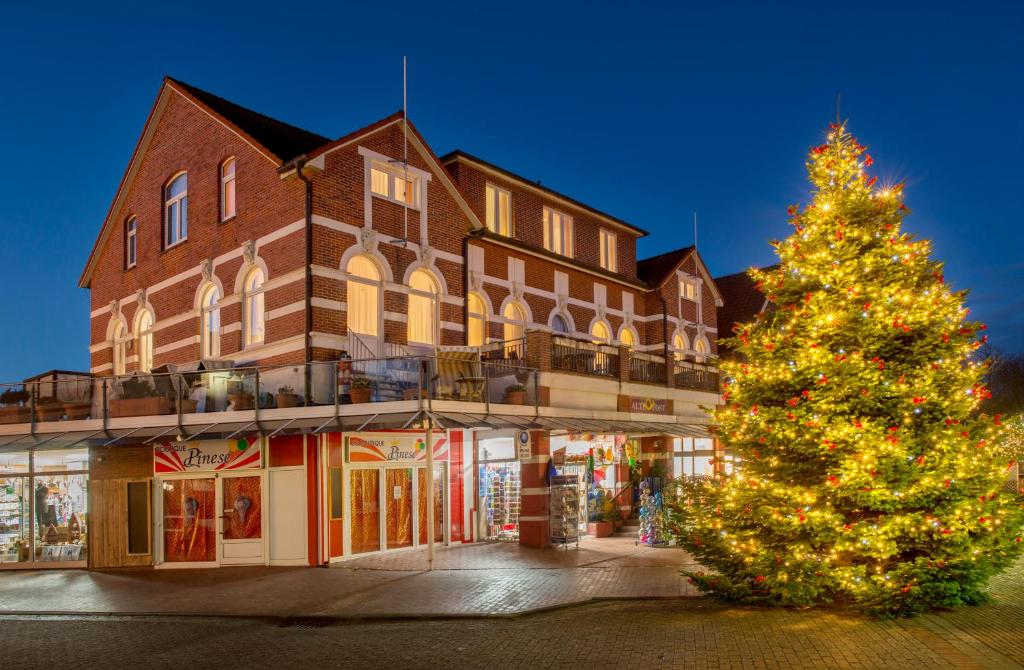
(474,580)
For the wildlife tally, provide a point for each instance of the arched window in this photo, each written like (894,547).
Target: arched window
(255,316)
(363,288)
(144,339)
(476,327)
(210,334)
(701,347)
(599,331)
(559,325)
(120,341)
(176,210)
(227,189)
(627,338)
(515,322)
(422,324)
(680,347)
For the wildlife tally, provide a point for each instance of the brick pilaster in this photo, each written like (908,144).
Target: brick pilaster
(534,526)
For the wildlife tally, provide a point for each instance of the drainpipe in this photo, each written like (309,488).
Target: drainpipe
(478,233)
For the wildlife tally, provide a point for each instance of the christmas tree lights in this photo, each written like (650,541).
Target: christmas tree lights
(866,474)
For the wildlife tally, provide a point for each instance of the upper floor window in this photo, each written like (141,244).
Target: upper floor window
(210,335)
(131,242)
(422,308)
(701,347)
(176,210)
(363,289)
(476,326)
(689,290)
(255,315)
(559,324)
(627,338)
(120,341)
(599,331)
(394,184)
(499,210)
(144,339)
(679,345)
(609,251)
(515,323)
(558,235)
(227,189)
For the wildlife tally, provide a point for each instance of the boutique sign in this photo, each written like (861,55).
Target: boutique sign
(207,455)
(398,446)
(639,405)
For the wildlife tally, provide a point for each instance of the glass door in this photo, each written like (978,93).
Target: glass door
(189,520)
(398,493)
(364,505)
(439,506)
(241,518)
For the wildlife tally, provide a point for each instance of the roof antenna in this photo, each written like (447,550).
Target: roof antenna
(839,97)
(695,230)
(405,157)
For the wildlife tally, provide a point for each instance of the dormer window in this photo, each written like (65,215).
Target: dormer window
(392,182)
(609,251)
(558,234)
(499,210)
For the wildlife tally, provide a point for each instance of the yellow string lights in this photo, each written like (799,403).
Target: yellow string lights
(866,473)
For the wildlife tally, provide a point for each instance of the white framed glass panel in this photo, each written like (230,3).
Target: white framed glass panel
(609,251)
(363,289)
(559,324)
(255,316)
(176,210)
(211,322)
(131,241)
(628,339)
(227,189)
(599,331)
(144,337)
(499,210)
(558,232)
(515,322)
(379,182)
(422,324)
(476,328)
(679,345)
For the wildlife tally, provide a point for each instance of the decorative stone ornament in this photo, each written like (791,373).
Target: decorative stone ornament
(207,269)
(368,239)
(249,252)
(115,306)
(517,290)
(140,297)
(476,281)
(427,256)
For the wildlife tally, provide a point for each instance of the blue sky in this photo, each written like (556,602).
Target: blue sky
(649,112)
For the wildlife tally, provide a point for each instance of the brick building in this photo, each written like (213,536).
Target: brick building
(298,343)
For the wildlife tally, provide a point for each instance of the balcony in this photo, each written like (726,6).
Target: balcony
(586,358)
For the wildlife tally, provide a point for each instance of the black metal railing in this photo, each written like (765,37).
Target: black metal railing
(695,375)
(648,368)
(584,357)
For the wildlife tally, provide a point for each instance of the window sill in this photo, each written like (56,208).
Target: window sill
(400,203)
(175,245)
(230,218)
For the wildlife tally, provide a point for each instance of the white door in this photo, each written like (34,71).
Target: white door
(287,517)
(242,522)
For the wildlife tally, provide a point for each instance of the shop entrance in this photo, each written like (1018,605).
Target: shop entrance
(388,507)
(500,500)
(212,520)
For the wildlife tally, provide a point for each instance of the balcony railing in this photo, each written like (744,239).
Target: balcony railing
(647,368)
(695,375)
(584,357)
(461,376)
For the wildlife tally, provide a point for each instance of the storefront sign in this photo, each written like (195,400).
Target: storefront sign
(524,448)
(391,447)
(648,405)
(199,455)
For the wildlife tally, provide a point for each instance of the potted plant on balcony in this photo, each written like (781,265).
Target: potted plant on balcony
(361,390)
(14,409)
(240,399)
(515,394)
(139,397)
(286,397)
(49,408)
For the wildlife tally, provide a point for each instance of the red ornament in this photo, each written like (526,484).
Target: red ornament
(868,160)
(917,400)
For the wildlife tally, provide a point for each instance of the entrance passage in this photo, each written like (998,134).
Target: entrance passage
(388,508)
(500,484)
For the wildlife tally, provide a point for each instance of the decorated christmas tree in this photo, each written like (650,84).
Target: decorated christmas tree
(866,474)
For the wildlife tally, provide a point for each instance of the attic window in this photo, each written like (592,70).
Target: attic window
(391,182)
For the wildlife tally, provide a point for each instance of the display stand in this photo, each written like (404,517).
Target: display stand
(565,510)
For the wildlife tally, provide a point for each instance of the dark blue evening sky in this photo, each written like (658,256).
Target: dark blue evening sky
(646,112)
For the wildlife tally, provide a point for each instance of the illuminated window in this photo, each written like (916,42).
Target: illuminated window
(255,315)
(609,251)
(688,290)
(131,242)
(393,183)
(422,324)
(679,347)
(701,347)
(627,338)
(558,234)
(120,340)
(210,334)
(176,210)
(144,339)
(363,288)
(499,210)
(476,328)
(599,331)
(227,189)
(515,321)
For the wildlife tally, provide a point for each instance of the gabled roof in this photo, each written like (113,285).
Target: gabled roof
(279,138)
(656,269)
(742,301)
(458,154)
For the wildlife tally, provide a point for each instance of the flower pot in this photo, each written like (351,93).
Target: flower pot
(515,397)
(49,411)
(153,405)
(360,395)
(287,399)
(599,528)
(15,414)
(240,401)
(76,411)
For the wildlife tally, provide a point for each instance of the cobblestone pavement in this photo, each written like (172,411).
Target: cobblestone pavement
(476,579)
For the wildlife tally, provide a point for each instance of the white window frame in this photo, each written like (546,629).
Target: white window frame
(472,317)
(210,310)
(226,182)
(559,238)
(492,201)
(180,224)
(433,332)
(120,339)
(144,340)
(251,297)
(396,175)
(131,242)
(609,250)
(376,284)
